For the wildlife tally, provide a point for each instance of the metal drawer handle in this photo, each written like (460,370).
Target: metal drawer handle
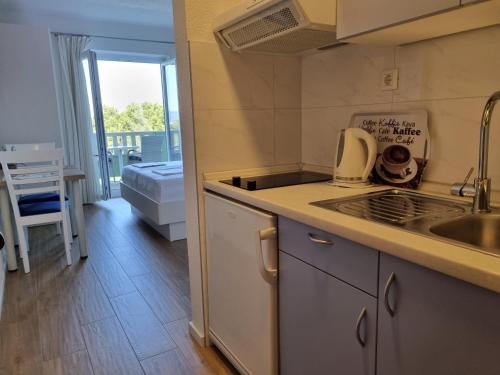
(361,317)
(320,241)
(387,289)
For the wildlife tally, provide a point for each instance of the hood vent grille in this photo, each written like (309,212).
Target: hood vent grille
(261,28)
(297,42)
(278,26)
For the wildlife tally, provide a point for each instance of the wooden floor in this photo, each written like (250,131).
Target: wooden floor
(124,310)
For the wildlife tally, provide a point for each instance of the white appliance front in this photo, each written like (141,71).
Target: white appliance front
(242,292)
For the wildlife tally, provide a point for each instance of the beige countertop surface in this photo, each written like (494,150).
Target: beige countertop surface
(293,202)
(70,174)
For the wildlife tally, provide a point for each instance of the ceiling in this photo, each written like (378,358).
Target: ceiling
(141,12)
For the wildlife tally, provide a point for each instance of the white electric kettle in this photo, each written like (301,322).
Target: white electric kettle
(354,161)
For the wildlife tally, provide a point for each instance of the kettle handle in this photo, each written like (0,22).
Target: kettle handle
(371,144)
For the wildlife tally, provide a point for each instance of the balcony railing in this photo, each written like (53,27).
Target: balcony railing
(124,148)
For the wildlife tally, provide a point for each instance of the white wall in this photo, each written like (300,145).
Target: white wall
(65,24)
(124,48)
(28,105)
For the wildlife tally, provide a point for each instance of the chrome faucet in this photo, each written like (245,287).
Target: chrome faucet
(482,184)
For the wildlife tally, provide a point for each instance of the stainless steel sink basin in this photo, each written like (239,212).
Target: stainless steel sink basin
(402,208)
(439,218)
(479,230)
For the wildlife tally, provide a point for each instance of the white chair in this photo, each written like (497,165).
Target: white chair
(33,172)
(153,148)
(29,146)
(35,198)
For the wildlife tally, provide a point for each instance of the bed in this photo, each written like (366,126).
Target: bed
(156,193)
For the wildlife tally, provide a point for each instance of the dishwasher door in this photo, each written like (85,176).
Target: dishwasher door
(242,288)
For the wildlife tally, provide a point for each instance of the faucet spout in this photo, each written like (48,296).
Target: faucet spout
(482,183)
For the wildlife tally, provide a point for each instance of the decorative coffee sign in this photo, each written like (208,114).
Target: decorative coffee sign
(403,145)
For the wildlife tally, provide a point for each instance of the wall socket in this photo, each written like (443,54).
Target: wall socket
(390,79)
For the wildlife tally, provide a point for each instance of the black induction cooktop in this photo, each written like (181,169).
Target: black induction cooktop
(277,180)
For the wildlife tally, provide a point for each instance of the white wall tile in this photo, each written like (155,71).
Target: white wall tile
(454,128)
(457,66)
(320,128)
(287,135)
(287,82)
(225,80)
(346,76)
(235,100)
(234,139)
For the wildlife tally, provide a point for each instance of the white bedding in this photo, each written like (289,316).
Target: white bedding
(160,188)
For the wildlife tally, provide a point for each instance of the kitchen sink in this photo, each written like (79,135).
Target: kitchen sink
(402,208)
(479,230)
(439,218)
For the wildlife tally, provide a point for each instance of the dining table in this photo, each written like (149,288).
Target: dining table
(73,176)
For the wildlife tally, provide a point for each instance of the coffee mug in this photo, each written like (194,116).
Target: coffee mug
(396,159)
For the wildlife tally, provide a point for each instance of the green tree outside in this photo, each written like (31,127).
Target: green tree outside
(144,117)
(134,118)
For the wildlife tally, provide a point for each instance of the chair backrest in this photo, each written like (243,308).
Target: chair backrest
(32,172)
(29,146)
(152,148)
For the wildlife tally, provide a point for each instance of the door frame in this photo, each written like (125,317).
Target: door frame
(93,57)
(99,124)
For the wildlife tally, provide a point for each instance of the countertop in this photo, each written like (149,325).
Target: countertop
(293,202)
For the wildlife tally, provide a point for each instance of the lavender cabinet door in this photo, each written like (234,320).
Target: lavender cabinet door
(433,324)
(327,327)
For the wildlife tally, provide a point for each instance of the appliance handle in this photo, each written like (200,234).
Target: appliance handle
(371,145)
(268,274)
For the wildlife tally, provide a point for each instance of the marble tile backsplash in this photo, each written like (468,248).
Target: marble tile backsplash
(450,77)
(246,108)
(348,75)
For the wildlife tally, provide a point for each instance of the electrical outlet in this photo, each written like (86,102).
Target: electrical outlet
(390,80)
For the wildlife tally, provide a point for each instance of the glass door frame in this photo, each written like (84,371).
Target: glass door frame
(166,106)
(166,112)
(99,124)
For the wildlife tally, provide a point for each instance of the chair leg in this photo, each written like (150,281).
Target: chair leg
(23,247)
(70,232)
(66,234)
(27,237)
(58,228)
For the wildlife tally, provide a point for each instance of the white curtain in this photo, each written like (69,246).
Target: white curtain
(76,119)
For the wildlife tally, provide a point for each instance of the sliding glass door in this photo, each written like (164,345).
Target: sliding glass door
(171,105)
(136,115)
(98,141)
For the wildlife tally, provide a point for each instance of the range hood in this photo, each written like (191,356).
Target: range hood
(278,26)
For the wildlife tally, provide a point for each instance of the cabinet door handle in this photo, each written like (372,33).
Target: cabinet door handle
(387,289)
(361,317)
(319,241)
